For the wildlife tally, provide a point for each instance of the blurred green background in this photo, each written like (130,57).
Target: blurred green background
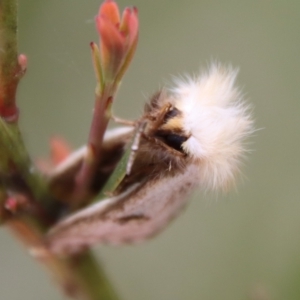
(245,245)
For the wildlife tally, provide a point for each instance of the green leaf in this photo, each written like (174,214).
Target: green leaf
(119,172)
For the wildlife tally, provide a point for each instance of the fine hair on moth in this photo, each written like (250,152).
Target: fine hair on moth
(191,135)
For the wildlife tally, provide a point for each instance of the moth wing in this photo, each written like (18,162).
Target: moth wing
(113,140)
(112,150)
(133,216)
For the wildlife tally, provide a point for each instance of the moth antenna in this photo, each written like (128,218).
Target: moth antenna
(164,110)
(135,146)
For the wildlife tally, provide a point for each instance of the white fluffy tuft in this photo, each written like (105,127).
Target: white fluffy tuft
(218,122)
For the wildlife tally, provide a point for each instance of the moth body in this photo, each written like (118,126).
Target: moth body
(192,135)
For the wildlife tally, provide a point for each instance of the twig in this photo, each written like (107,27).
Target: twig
(99,124)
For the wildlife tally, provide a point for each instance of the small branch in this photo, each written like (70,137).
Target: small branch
(12,68)
(13,152)
(99,124)
(118,41)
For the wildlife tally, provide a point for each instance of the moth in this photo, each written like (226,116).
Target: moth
(192,135)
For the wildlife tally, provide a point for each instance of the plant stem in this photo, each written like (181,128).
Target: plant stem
(101,117)
(11,71)
(13,151)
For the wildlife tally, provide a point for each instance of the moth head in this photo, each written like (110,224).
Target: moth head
(207,120)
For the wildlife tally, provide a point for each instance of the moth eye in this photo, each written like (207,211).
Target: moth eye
(171,114)
(175,141)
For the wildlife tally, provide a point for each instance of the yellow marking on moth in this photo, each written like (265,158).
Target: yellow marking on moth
(173,124)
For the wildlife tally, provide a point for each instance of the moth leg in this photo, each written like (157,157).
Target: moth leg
(135,145)
(123,121)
